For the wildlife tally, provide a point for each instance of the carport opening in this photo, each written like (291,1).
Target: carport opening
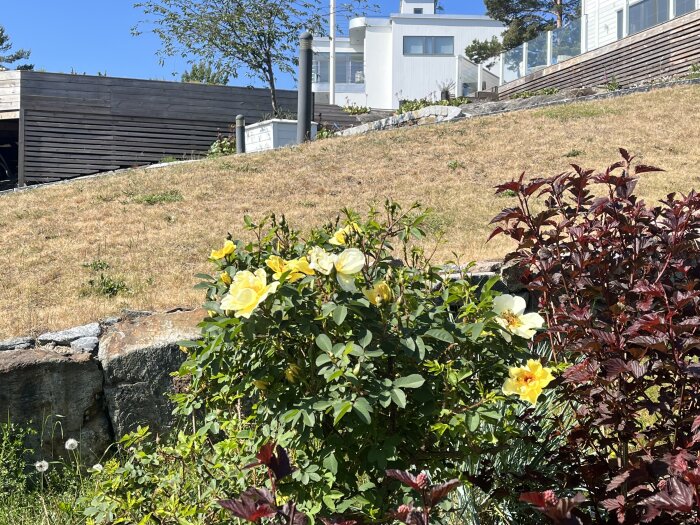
(9,151)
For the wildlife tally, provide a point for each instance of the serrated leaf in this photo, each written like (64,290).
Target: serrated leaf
(324,343)
(339,314)
(412,381)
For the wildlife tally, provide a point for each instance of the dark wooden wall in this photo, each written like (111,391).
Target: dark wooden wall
(667,49)
(74,125)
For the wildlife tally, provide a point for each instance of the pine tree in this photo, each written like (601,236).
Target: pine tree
(7,56)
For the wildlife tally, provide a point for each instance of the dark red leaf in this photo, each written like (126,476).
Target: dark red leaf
(404,477)
(438,492)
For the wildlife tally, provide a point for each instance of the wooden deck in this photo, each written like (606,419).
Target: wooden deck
(72,125)
(666,49)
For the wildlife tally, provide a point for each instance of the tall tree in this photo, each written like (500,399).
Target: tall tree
(258,36)
(7,56)
(524,20)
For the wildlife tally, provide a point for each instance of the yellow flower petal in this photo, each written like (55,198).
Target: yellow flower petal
(246,292)
(528,381)
(228,249)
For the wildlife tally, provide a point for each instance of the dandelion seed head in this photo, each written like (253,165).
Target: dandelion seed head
(71,444)
(41,466)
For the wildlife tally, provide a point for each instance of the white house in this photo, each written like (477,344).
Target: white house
(606,21)
(410,55)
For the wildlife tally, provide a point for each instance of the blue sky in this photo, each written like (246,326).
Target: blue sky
(94,36)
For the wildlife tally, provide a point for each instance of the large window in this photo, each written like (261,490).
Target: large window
(429,45)
(684,6)
(349,68)
(647,13)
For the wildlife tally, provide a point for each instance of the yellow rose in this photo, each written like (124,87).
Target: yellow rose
(528,381)
(228,249)
(260,384)
(247,291)
(380,294)
(297,268)
(292,373)
(348,263)
(225,278)
(340,237)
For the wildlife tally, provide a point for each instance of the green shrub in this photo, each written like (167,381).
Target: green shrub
(358,354)
(536,93)
(223,146)
(354,109)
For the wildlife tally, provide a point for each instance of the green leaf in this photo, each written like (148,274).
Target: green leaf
(440,334)
(473,421)
(475,330)
(340,410)
(412,381)
(330,463)
(322,359)
(324,343)
(339,314)
(363,409)
(365,339)
(398,396)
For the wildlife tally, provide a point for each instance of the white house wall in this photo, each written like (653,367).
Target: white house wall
(378,77)
(602,21)
(418,76)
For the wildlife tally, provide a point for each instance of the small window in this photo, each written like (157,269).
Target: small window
(417,10)
(684,6)
(620,24)
(428,45)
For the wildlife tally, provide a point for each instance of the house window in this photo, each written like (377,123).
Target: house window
(647,13)
(684,6)
(428,45)
(417,10)
(620,24)
(349,68)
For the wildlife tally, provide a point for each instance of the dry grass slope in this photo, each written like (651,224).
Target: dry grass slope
(155,228)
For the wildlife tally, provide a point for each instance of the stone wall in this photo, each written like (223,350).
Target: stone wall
(94,383)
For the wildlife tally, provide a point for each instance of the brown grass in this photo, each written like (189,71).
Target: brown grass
(48,234)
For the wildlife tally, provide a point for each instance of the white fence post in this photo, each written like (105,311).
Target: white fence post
(671,9)
(550,38)
(479,77)
(524,66)
(501,69)
(626,19)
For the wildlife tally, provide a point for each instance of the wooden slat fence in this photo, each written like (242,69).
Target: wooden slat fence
(666,49)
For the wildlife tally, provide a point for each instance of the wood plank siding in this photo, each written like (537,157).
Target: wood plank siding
(666,49)
(74,125)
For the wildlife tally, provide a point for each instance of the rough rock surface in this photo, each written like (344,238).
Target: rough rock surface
(16,343)
(428,115)
(85,344)
(66,337)
(137,357)
(58,392)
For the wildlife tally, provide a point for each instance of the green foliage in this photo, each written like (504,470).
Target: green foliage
(324,133)
(456,164)
(693,71)
(105,285)
(353,384)
(97,265)
(176,481)
(354,109)
(566,112)
(573,153)
(481,51)
(162,197)
(613,84)
(416,104)
(13,458)
(204,73)
(223,146)
(8,56)
(536,93)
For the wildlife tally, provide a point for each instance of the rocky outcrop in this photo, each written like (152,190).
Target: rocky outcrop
(59,393)
(63,384)
(137,358)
